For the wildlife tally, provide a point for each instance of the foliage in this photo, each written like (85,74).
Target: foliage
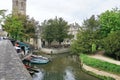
(100,64)
(109,30)
(82,43)
(75,49)
(87,36)
(48,31)
(13,25)
(109,21)
(93,47)
(112,44)
(55,29)
(20,26)
(101,33)
(2,15)
(61,30)
(91,24)
(30,25)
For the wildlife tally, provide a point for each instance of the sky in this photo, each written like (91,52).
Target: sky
(70,10)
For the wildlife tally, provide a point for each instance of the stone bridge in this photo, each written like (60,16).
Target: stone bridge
(11,66)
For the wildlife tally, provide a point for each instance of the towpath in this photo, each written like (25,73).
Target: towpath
(101,72)
(101,57)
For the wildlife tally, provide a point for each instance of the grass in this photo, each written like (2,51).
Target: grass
(99,64)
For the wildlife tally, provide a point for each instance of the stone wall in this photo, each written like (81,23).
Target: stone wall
(11,66)
(55,51)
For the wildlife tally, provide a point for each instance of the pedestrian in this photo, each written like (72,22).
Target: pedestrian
(17,47)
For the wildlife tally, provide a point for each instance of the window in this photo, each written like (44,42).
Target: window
(16,3)
(22,4)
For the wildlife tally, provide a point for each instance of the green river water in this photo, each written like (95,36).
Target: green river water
(62,67)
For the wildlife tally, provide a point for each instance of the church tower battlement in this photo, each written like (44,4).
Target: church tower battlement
(19,7)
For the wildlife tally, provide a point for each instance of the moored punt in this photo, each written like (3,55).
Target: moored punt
(39,60)
(41,57)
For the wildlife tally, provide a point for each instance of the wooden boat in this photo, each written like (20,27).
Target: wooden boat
(39,59)
(31,70)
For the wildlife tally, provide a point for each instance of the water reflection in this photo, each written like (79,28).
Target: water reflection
(62,67)
(69,74)
(38,76)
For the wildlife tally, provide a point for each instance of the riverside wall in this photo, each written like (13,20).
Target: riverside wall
(55,51)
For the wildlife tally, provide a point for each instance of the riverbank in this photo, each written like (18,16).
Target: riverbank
(55,50)
(97,73)
(100,67)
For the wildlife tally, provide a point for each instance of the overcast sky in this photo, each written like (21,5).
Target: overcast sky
(70,10)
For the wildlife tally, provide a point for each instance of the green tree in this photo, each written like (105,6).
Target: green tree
(55,29)
(87,36)
(91,24)
(20,27)
(109,21)
(48,32)
(30,25)
(112,44)
(2,15)
(61,30)
(109,29)
(13,25)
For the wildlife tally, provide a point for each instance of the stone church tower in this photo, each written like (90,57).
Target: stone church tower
(19,7)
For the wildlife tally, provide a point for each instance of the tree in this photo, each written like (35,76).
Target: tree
(30,25)
(55,29)
(61,30)
(48,31)
(111,44)
(109,21)
(87,36)
(109,29)
(2,15)
(13,25)
(20,27)
(91,24)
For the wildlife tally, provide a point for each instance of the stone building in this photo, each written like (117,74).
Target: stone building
(19,7)
(73,29)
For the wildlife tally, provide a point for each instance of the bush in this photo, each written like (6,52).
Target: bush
(111,44)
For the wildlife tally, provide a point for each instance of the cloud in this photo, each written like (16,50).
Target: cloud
(6,4)
(70,10)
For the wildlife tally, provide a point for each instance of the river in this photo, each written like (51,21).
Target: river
(62,67)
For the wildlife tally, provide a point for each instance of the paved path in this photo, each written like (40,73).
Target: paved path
(106,59)
(11,67)
(100,72)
